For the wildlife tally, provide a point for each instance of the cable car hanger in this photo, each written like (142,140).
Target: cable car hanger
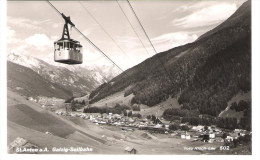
(65,28)
(67,50)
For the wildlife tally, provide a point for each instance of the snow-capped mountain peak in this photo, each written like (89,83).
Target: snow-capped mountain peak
(78,79)
(24,60)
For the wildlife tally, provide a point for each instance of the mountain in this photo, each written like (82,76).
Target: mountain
(101,73)
(28,83)
(203,75)
(74,80)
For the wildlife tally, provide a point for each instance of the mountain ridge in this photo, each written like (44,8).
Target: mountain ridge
(78,80)
(151,84)
(28,83)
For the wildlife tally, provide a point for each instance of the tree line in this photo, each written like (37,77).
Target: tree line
(194,118)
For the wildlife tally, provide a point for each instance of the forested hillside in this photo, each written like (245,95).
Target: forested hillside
(215,82)
(203,75)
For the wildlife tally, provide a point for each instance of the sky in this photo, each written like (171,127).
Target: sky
(33,26)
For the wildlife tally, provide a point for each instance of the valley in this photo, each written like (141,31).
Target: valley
(191,99)
(44,128)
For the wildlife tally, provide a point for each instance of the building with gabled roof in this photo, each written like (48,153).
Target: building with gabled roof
(130,150)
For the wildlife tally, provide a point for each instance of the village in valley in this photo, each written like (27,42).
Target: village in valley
(130,130)
(195,137)
(192,96)
(131,127)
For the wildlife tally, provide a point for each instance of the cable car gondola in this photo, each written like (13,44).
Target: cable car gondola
(67,50)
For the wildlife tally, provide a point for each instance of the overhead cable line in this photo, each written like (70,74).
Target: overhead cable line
(88,39)
(133,28)
(141,26)
(124,73)
(93,17)
(110,35)
(105,31)
(156,53)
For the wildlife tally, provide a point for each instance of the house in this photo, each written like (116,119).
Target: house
(233,135)
(91,117)
(183,136)
(131,120)
(197,128)
(239,130)
(105,116)
(187,136)
(17,142)
(219,139)
(117,116)
(20,143)
(210,129)
(211,140)
(102,122)
(83,116)
(158,126)
(212,135)
(241,134)
(86,117)
(47,132)
(173,134)
(229,138)
(217,130)
(30,99)
(110,115)
(130,150)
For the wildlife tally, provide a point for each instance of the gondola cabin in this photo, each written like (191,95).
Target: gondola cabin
(68,51)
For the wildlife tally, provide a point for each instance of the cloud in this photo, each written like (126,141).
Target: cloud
(182,23)
(21,49)
(39,41)
(90,30)
(11,36)
(206,16)
(55,25)
(10,32)
(171,40)
(55,38)
(23,22)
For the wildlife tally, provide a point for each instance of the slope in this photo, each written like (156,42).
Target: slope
(78,84)
(30,115)
(28,83)
(190,63)
(28,120)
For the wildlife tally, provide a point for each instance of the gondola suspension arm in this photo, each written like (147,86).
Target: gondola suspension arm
(67,19)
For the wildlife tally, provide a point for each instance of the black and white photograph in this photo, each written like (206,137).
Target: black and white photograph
(129,77)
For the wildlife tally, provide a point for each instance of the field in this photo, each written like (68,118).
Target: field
(231,113)
(28,120)
(119,98)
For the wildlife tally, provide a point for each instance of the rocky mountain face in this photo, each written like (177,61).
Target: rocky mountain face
(203,75)
(74,80)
